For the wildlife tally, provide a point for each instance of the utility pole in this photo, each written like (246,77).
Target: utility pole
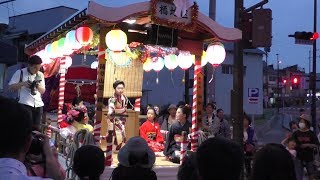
(237,92)
(278,84)
(314,70)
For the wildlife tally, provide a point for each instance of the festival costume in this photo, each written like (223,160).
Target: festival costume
(151,133)
(117,106)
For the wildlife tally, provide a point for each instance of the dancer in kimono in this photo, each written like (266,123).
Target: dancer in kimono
(172,146)
(150,131)
(117,109)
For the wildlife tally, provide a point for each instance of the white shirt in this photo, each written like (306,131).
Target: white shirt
(25,93)
(12,169)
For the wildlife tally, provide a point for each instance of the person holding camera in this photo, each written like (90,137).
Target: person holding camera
(29,82)
(18,140)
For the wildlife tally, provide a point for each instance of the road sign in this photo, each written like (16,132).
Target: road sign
(253,95)
(302,41)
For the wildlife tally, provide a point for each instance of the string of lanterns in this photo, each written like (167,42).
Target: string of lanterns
(118,51)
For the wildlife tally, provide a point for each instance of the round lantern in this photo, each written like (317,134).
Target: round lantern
(216,53)
(43,55)
(54,49)
(158,64)
(84,35)
(147,66)
(116,40)
(185,60)
(71,41)
(68,62)
(170,61)
(94,65)
(48,50)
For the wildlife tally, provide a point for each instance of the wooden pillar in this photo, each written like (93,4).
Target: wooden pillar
(100,84)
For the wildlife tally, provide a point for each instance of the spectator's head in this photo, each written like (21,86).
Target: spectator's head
(304,122)
(136,160)
(118,86)
(77,102)
(136,152)
(34,64)
(292,143)
(182,113)
(15,137)
(210,108)
(88,162)
(172,109)
(246,121)
(188,170)
(181,103)
(293,125)
(273,162)
(220,113)
(219,158)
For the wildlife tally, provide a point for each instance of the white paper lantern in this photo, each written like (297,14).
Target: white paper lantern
(116,40)
(158,64)
(68,62)
(215,53)
(171,62)
(185,60)
(148,65)
(94,65)
(71,42)
(43,55)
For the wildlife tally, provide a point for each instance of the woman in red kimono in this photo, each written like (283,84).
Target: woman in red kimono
(150,131)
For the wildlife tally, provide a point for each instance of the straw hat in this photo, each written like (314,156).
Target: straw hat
(139,146)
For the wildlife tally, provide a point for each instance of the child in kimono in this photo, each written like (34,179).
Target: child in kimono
(150,131)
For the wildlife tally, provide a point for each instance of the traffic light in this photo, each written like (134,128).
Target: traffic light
(305,35)
(295,83)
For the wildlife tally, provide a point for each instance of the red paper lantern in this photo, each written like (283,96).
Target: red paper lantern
(84,35)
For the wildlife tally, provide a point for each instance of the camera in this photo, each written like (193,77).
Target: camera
(33,86)
(36,145)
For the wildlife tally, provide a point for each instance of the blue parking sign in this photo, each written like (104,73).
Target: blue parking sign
(253,95)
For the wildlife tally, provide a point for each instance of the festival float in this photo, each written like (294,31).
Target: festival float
(127,41)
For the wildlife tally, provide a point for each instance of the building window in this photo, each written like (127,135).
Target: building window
(272,78)
(226,69)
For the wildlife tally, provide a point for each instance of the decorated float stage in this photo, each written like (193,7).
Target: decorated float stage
(128,41)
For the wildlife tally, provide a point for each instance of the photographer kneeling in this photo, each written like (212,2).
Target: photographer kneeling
(29,82)
(17,138)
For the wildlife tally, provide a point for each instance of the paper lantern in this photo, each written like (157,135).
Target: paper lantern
(71,41)
(94,65)
(158,64)
(68,62)
(54,50)
(170,61)
(84,35)
(43,55)
(148,65)
(185,60)
(216,53)
(48,50)
(116,40)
